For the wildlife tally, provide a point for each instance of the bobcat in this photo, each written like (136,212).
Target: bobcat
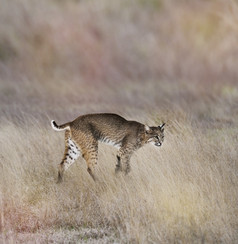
(83,134)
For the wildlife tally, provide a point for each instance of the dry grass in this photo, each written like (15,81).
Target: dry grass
(151,61)
(186,191)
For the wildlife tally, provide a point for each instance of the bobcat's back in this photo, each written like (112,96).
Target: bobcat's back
(109,128)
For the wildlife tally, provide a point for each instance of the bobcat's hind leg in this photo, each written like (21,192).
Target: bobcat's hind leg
(91,163)
(91,157)
(71,153)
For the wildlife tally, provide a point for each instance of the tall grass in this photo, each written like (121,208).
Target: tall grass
(185,191)
(151,61)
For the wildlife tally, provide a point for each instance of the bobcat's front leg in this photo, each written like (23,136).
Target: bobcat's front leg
(123,160)
(118,165)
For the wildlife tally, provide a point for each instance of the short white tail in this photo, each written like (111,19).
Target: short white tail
(59,128)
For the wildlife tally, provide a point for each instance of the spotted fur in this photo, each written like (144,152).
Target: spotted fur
(83,134)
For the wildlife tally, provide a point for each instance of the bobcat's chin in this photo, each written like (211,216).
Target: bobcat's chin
(158,144)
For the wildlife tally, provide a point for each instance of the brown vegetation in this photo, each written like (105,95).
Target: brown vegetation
(151,61)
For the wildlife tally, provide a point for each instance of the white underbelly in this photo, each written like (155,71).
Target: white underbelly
(111,143)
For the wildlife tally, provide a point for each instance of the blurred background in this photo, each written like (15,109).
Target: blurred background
(172,61)
(156,58)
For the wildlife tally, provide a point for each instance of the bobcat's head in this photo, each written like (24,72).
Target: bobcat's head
(155,135)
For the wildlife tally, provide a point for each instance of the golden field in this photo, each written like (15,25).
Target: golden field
(150,61)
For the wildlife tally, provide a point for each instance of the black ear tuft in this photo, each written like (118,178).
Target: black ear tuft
(162,127)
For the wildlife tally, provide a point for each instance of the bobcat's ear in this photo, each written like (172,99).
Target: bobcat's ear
(147,128)
(162,127)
